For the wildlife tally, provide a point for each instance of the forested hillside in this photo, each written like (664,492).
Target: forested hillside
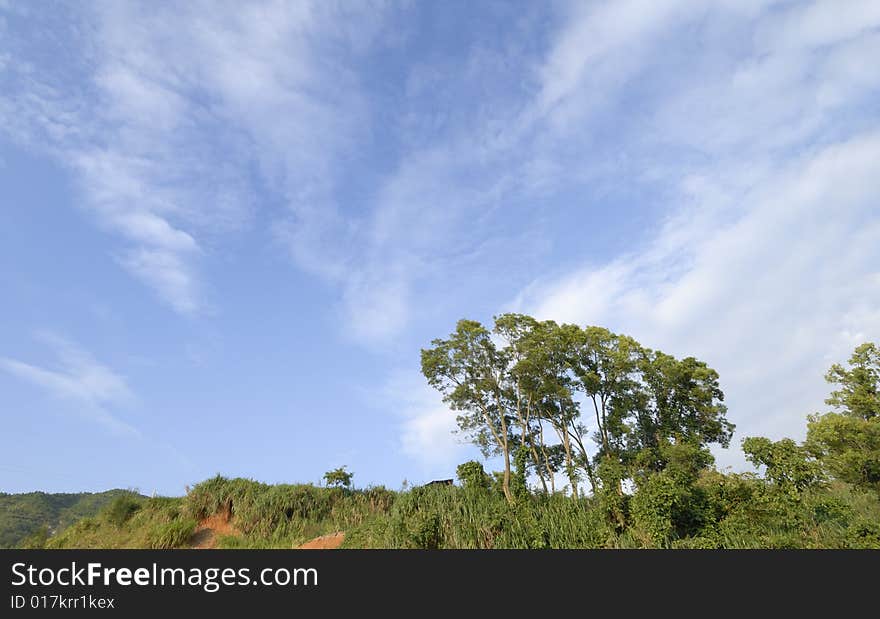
(39,514)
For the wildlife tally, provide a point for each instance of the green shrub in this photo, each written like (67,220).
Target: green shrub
(831,509)
(864,534)
(472,475)
(121,509)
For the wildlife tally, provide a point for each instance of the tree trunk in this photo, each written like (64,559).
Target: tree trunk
(524,422)
(547,468)
(588,467)
(569,464)
(505,448)
(505,484)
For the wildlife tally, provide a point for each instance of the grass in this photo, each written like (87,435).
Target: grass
(721,511)
(130,522)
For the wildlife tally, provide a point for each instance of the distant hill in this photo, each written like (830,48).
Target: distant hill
(22,515)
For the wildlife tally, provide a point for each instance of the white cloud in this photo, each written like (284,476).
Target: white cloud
(602,44)
(78,378)
(726,114)
(814,24)
(769,299)
(427,425)
(766,264)
(162,113)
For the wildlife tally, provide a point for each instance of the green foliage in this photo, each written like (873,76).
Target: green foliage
(122,508)
(847,441)
(653,477)
(286,511)
(524,376)
(37,539)
(518,485)
(156,523)
(864,534)
(468,517)
(669,505)
(472,475)
(848,447)
(859,392)
(338,478)
(22,515)
(683,506)
(789,466)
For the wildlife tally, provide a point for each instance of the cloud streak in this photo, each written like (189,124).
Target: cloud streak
(92,387)
(699,175)
(744,131)
(179,117)
(767,265)
(426,424)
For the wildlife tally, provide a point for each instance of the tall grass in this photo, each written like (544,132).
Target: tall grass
(452,517)
(284,515)
(718,511)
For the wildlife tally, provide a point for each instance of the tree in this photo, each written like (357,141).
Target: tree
(555,397)
(472,374)
(516,332)
(680,401)
(788,465)
(643,401)
(847,447)
(604,365)
(526,375)
(338,478)
(847,440)
(543,394)
(859,393)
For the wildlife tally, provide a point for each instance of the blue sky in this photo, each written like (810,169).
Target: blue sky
(227,229)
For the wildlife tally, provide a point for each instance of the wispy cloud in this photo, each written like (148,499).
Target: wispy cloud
(741,133)
(766,264)
(95,389)
(178,116)
(750,151)
(426,424)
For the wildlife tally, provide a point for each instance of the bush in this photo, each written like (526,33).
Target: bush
(864,534)
(121,509)
(472,475)
(831,509)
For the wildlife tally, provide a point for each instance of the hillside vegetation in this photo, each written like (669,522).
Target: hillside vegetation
(709,510)
(38,514)
(637,467)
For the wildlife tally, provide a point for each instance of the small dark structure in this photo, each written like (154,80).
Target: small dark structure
(440,482)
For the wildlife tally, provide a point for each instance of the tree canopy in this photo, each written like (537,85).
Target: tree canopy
(612,404)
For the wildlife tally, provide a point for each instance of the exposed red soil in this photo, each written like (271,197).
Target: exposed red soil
(207,531)
(325,542)
(205,535)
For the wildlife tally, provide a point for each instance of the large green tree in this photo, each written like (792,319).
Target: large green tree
(847,440)
(544,393)
(678,401)
(473,375)
(526,376)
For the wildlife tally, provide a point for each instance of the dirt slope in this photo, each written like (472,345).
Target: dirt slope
(333,540)
(205,535)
